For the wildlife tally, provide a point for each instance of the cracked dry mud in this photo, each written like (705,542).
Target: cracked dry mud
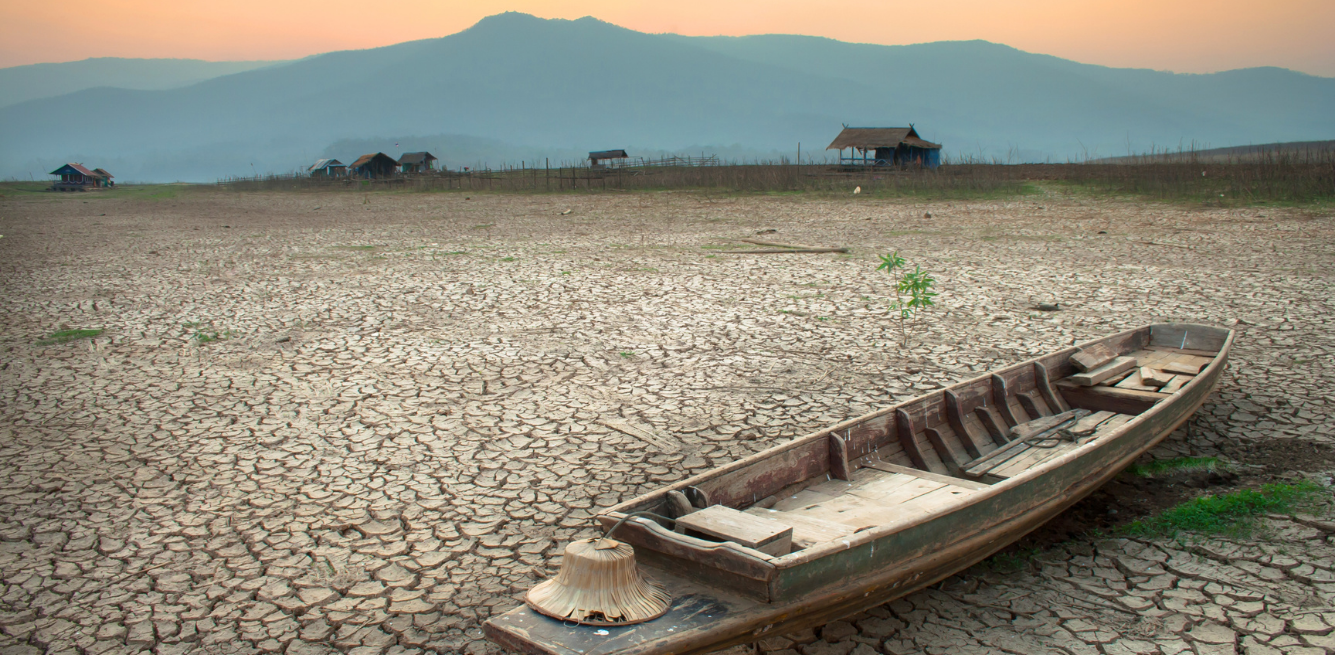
(415,401)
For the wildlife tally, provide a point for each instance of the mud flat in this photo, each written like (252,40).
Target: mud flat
(334,421)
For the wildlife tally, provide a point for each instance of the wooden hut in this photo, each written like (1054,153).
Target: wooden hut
(885,146)
(597,158)
(416,162)
(374,166)
(75,177)
(328,168)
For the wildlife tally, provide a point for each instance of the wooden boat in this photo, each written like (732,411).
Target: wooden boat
(884,504)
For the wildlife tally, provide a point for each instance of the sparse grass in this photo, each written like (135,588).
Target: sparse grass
(507,259)
(1175,465)
(204,333)
(209,336)
(1233,514)
(354,247)
(1010,562)
(626,354)
(66,336)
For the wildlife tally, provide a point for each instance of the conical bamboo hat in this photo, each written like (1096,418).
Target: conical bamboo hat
(599,584)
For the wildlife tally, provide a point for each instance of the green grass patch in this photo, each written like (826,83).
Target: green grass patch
(626,355)
(66,336)
(1233,514)
(1010,562)
(507,259)
(1175,465)
(209,336)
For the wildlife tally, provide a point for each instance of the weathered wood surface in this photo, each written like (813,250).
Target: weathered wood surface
(944,479)
(1112,399)
(1090,378)
(727,524)
(839,465)
(1092,357)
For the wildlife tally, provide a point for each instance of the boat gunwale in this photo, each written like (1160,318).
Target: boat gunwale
(872,534)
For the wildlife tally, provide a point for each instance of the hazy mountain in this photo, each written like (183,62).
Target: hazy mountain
(23,83)
(528,87)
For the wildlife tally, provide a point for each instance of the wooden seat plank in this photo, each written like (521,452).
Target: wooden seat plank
(727,524)
(1090,378)
(1122,401)
(1174,385)
(945,479)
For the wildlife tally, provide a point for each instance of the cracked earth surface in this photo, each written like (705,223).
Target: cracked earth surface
(414,401)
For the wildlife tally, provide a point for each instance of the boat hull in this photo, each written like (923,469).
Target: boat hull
(803,594)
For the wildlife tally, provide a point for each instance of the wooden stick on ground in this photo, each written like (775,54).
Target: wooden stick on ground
(791,246)
(783,252)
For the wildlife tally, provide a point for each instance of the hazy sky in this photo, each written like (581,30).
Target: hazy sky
(1177,35)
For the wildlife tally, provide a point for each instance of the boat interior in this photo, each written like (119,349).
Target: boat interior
(923,456)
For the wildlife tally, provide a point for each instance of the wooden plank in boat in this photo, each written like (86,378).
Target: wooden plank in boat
(1150,357)
(1092,356)
(890,494)
(1088,428)
(884,483)
(1186,364)
(1090,422)
(945,479)
(1112,399)
(1026,430)
(1175,384)
(1114,423)
(803,498)
(1135,381)
(727,524)
(977,467)
(1153,377)
(807,530)
(1102,373)
(874,513)
(1030,459)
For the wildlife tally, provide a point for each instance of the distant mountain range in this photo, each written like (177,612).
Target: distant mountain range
(35,81)
(518,87)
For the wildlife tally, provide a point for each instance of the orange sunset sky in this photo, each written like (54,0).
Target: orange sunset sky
(1177,35)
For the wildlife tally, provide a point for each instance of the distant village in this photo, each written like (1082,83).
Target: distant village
(857,147)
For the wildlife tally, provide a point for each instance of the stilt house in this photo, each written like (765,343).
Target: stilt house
(416,162)
(374,166)
(597,158)
(75,177)
(885,146)
(328,168)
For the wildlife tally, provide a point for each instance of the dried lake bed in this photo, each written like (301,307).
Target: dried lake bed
(367,422)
